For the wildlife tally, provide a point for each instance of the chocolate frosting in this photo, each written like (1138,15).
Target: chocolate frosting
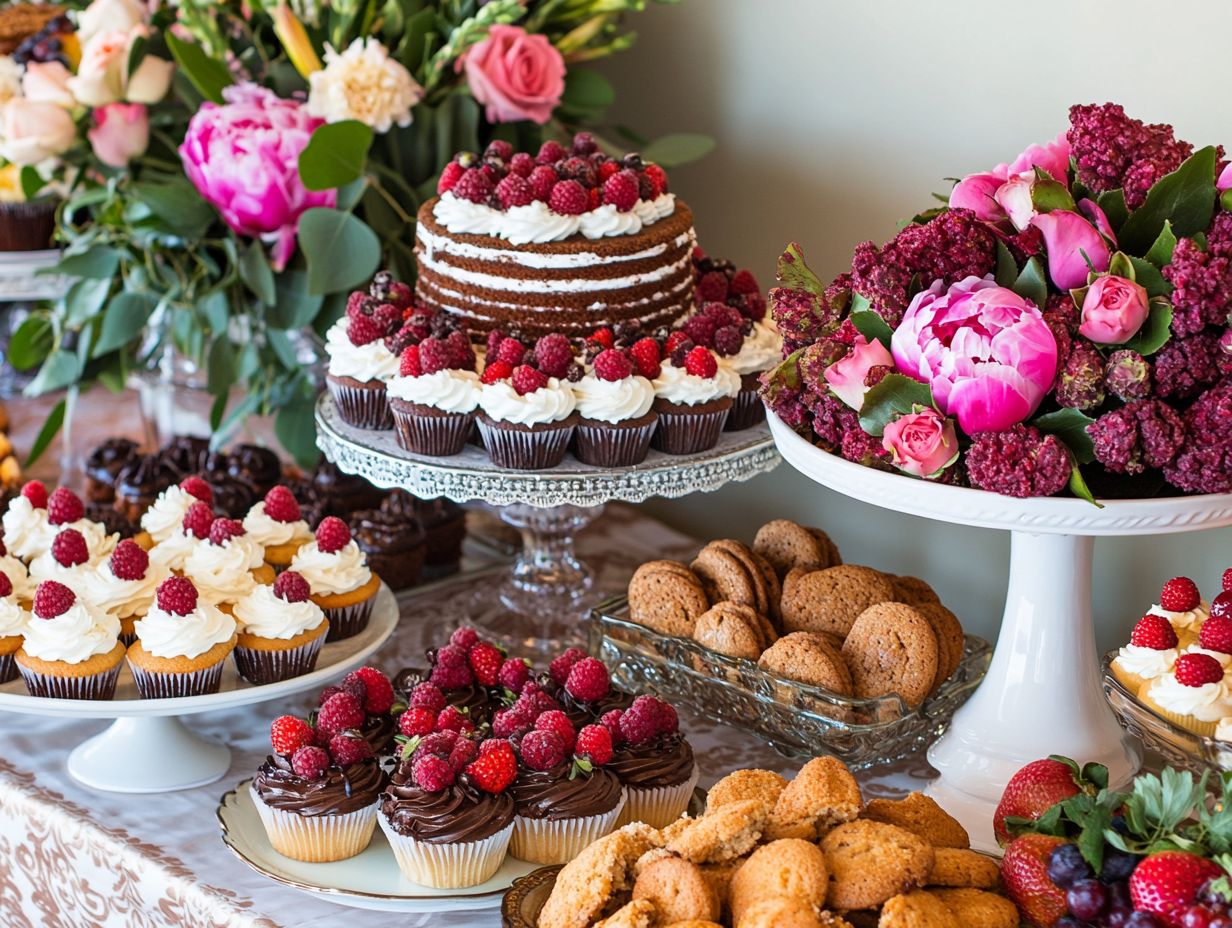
(552,795)
(113,521)
(581,712)
(255,466)
(186,454)
(341,790)
(474,698)
(460,813)
(378,731)
(144,477)
(106,460)
(663,761)
(380,532)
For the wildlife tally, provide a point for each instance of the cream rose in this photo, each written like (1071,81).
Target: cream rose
(33,132)
(363,83)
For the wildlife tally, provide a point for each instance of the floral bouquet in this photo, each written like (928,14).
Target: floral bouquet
(1062,323)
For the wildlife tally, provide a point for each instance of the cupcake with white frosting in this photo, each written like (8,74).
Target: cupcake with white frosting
(227,566)
(1182,605)
(527,418)
(1150,654)
(693,397)
(182,643)
(173,553)
(19,576)
(26,532)
(65,510)
(124,585)
(1195,696)
(281,630)
(435,397)
(339,578)
(71,649)
(13,620)
(277,525)
(166,515)
(759,350)
(360,363)
(68,560)
(614,402)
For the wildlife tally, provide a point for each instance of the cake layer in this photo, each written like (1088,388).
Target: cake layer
(571,286)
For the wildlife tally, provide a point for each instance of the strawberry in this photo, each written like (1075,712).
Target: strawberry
(288,734)
(495,768)
(1165,883)
(1024,871)
(1035,789)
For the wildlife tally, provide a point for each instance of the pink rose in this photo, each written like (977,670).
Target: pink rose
(47,82)
(1113,310)
(978,192)
(846,377)
(1052,157)
(1075,246)
(1224,182)
(921,442)
(121,132)
(514,74)
(1016,197)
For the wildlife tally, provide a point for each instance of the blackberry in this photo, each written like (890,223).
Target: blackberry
(632,161)
(380,286)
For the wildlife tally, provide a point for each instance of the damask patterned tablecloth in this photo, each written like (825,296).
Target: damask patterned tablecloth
(70,856)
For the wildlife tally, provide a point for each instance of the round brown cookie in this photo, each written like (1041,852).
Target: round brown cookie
(917,909)
(829,600)
(694,923)
(774,586)
(724,577)
(827,543)
(975,908)
(951,641)
(912,590)
(732,629)
(666,596)
(589,882)
(744,554)
(922,816)
(791,867)
(763,785)
(783,912)
(892,649)
(728,832)
(811,659)
(679,891)
(870,862)
(640,913)
(785,545)
(956,867)
(821,795)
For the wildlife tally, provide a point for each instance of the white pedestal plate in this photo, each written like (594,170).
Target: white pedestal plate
(1043,693)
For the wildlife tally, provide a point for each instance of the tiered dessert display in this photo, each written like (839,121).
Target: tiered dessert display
(566,345)
(1062,324)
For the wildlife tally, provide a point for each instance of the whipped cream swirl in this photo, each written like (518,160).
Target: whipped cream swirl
(677,385)
(78,634)
(269,532)
(173,552)
(13,618)
(1147,663)
(550,403)
(613,400)
(165,634)
(26,531)
(447,390)
(1209,702)
(537,223)
(1224,658)
(223,573)
(262,613)
(15,570)
(122,598)
(341,572)
(167,513)
(762,350)
(372,361)
(1190,618)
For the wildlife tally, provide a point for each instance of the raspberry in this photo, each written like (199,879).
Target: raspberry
(291,587)
(550,152)
(728,341)
(388,317)
(557,722)
(432,773)
(641,721)
(701,363)
(195,486)
(743,282)
(380,692)
(498,149)
(198,519)
(449,177)
(326,693)
(428,696)
(559,669)
(451,718)
(177,595)
(349,749)
(510,723)
(464,751)
(669,721)
(288,734)
(542,180)
(657,177)
(340,712)
(495,371)
(408,362)
(515,190)
(474,185)
(332,535)
(69,548)
(621,191)
(36,493)
(535,700)
(1154,632)
(435,354)
(416,722)
(495,768)
(495,337)
(677,339)
(1216,634)
(612,365)
(52,599)
(526,379)
(645,352)
(611,721)
(1180,594)
(364,330)
(310,762)
(554,355)
(594,742)
(513,674)
(604,337)
(1221,606)
(584,143)
(701,329)
(588,680)
(485,662)
(6,585)
(452,656)
(464,637)
(453,677)
(64,506)
(569,198)
(609,169)
(223,530)
(1197,669)
(439,743)
(521,164)
(542,750)
(1226,580)
(578,169)
(281,506)
(461,354)
(511,351)
(712,287)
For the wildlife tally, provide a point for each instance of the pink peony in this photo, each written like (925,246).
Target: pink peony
(243,158)
(1075,246)
(514,74)
(978,192)
(1113,310)
(846,376)
(921,442)
(120,133)
(986,352)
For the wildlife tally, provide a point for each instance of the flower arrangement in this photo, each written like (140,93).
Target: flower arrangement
(1062,323)
(299,137)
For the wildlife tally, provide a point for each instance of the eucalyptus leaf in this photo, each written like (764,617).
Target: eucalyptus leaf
(280,344)
(178,205)
(1160,254)
(350,194)
(1070,425)
(31,343)
(256,274)
(1186,197)
(61,368)
(208,75)
(215,308)
(341,251)
(587,94)
(99,262)
(221,366)
(335,154)
(124,320)
(678,148)
(1032,283)
(295,426)
(794,273)
(55,420)
(1155,331)
(85,299)
(294,307)
(894,396)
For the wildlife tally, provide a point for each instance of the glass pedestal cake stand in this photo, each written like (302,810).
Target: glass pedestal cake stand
(1043,691)
(540,603)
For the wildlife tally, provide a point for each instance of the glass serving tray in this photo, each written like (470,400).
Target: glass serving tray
(797,719)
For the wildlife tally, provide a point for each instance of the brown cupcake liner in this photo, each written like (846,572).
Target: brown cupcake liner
(689,432)
(28,225)
(259,666)
(362,407)
(518,449)
(153,685)
(435,434)
(605,445)
(747,410)
(8,668)
(96,686)
(348,621)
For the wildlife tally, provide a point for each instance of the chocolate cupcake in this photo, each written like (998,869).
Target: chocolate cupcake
(256,467)
(112,521)
(559,811)
(655,763)
(471,698)
(394,545)
(444,523)
(186,454)
(344,493)
(139,482)
(103,465)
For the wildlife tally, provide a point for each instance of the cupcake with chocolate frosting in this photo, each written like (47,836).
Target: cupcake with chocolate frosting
(343,493)
(185,455)
(277,525)
(653,760)
(257,467)
(444,524)
(103,466)
(393,544)
(281,630)
(583,687)
(139,482)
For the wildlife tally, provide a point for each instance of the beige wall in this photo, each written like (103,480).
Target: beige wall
(837,119)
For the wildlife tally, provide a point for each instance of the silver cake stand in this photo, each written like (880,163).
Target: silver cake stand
(539,604)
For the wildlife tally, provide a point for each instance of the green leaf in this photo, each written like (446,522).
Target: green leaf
(1070,425)
(350,194)
(221,367)
(32,182)
(678,148)
(335,155)
(1186,197)
(84,300)
(53,424)
(1161,252)
(294,307)
(1078,486)
(1155,332)
(281,345)
(587,94)
(1147,276)
(342,252)
(208,75)
(31,343)
(215,309)
(59,370)
(256,274)
(1007,267)
(869,324)
(1119,265)
(1048,194)
(178,205)
(794,273)
(296,429)
(122,323)
(413,45)
(1112,202)
(98,262)
(1032,283)
(895,395)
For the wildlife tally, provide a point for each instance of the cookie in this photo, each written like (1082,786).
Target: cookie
(587,883)
(916,909)
(808,658)
(922,816)
(725,577)
(823,794)
(765,581)
(956,867)
(975,908)
(784,912)
(732,629)
(870,863)
(951,641)
(693,923)
(830,600)
(912,590)
(667,597)
(785,545)
(679,891)
(729,832)
(791,867)
(640,913)
(763,785)
(892,649)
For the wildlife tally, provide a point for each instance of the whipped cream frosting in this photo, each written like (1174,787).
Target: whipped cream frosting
(762,350)
(167,512)
(122,598)
(174,551)
(433,245)
(1190,618)
(13,618)
(677,385)
(262,613)
(165,634)
(46,567)
(372,361)
(613,400)
(223,573)
(15,570)
(81,632)
(340,572)
(1223,731)
(447,390)
(1209,702)
(550,403)
(263,530)
(1147,663)
(536,222)
(26,531)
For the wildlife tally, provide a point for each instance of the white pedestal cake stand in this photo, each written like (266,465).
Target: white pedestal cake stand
(539,604)
(1042,694)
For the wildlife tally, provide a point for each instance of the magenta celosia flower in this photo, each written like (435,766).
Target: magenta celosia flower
(1111,150)
(1019,461)
(986,352)
(243,158)
(1204,464)
(1144,433)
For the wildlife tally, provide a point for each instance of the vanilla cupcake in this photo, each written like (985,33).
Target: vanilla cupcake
(166,515)
(65,510)
(173,552)
(1195,696)
(693,401)
(281,630)
(228,565)
(435,397)
(13,620)
(1151,653)
(71,649)
(614,403)
(26,532)
(526,420)
(124,585)
(182,643)
(338,575)
(1181,604)
(276,524)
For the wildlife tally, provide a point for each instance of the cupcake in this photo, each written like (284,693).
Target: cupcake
(26,532)
(103,466)
(339,577)
(693,400)
(124,585)
(166,514)
(139,483)
(435,397)
(13,621)
(184,456)
(173,553)
(527,418)
(1182,605)
(394,545)
(1151,653)
(276,524)
(563,803)
(759,350)
(342,493)
(71,649)
(228,565)
(68,560)
(444,524)
(65,510)
(447,812)
(359,367)
(614,402)
(1195,696)
(254,466)
(653,761)
(26,224)
(182,643)
(281,630)
(317,804)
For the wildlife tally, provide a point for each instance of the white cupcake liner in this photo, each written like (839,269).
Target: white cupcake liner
(154,685)
(96,686)
(448,866)
(316,838)
(548,841)
(657,806)
(348,621)
(259,666)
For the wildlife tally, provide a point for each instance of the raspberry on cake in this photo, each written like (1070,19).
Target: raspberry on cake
(228,566)
(338,574)
(70,648)
(182,643)
(435,397)
(360,359)
(277,525)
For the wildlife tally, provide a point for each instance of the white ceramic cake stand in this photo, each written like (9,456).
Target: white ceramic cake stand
(540,603)
(1043,693)
(149,749)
